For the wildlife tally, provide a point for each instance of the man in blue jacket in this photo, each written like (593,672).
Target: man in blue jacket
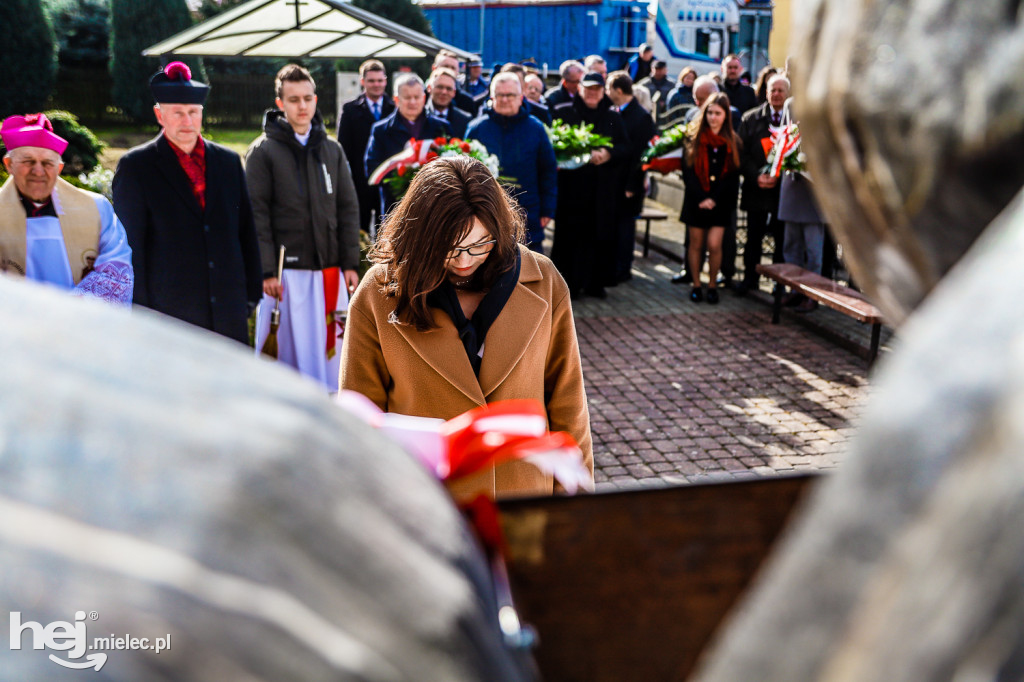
(641,64)
(524,151)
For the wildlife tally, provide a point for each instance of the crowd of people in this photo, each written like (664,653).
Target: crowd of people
(198,233)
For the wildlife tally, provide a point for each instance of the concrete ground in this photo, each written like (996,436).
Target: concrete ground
(683,392)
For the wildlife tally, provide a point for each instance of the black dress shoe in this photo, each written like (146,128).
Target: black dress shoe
(597,292)
(712,296)
(696,294)
(681,278)
(743,288)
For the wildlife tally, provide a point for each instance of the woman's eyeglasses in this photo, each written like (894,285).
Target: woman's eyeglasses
(481,249)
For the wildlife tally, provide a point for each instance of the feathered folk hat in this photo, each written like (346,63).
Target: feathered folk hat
(31,130)
(174,85)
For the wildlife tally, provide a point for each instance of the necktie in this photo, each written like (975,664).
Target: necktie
(376,111)
(776,118)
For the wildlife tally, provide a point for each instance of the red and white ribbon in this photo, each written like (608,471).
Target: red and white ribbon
(479,439)
(416,153)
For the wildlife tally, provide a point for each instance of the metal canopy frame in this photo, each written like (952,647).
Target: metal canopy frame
(324,29)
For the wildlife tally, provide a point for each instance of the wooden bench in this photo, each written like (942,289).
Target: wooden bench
(649,214)
(823,290)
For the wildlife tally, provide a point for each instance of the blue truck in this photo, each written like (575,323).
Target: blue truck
(547,31)
(694,33)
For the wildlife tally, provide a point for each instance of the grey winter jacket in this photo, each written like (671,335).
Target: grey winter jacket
(302,198)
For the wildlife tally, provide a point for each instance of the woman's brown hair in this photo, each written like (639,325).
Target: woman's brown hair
(721,100)
(434,216)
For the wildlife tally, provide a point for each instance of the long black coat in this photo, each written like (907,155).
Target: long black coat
(640,129)
(753,130)
(200,266)
(354,126)
(588,203)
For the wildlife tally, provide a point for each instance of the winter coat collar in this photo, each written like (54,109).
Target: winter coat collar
(509,337)
(506,121)
(276,127)
(586,112)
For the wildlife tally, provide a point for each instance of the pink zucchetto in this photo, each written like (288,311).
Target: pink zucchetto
(31,130)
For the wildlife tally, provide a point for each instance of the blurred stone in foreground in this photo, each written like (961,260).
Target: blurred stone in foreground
(165,482)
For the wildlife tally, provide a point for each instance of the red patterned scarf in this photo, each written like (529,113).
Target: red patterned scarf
(700,163)
(194,165)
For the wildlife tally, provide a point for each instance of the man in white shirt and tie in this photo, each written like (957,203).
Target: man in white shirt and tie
(441,88)
(354,124)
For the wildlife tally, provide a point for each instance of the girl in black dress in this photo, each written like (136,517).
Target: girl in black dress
(711,176)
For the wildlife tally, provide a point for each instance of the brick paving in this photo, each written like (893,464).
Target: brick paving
(682,392)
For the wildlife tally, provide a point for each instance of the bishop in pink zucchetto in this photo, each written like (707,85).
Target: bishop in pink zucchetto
(31,130)
(52,231)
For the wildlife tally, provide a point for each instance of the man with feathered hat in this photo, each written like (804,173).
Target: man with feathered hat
(51,231)
(185,206)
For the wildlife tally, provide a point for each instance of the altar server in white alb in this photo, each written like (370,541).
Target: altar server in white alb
(303,199)
(51,231)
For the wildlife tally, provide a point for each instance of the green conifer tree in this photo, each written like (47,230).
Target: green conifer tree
(134,27)
(28,59)
(82,28)
(402,12)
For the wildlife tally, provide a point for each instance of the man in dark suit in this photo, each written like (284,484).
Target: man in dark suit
(354,124)
(535,109)
(640,129)
(409,121)
(441,87)
(446,59)
(761,190)
(185,208)
(740,95)
(571,72)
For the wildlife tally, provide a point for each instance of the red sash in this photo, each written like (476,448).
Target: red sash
(332,280)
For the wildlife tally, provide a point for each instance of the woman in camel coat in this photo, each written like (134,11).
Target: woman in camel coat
(456,314)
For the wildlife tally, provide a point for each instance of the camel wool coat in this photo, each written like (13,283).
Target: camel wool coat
(530,352)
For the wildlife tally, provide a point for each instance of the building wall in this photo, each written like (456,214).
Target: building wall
(778,44)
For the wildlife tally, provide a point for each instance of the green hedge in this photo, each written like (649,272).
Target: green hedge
(28,58)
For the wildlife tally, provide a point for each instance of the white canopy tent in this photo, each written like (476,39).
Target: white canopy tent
(327,29)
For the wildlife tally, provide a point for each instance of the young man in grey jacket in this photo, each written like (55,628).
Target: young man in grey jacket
(303,199)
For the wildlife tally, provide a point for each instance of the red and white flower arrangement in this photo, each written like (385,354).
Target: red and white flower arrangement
(664,153)
(785,154)
(398,171)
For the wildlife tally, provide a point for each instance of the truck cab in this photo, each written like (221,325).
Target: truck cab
(699,33)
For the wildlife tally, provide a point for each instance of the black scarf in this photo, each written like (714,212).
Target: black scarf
(473,332)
